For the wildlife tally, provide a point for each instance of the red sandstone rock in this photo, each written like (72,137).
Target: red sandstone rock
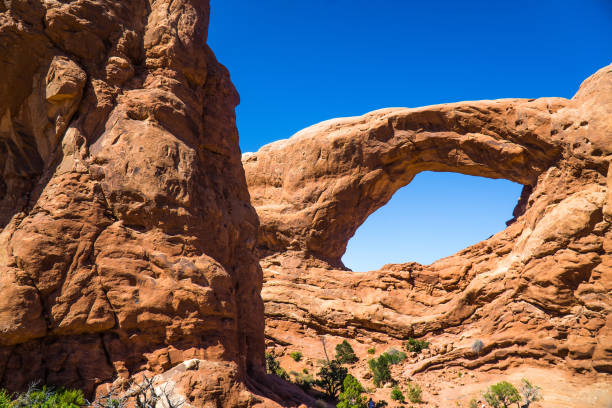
(127,235)
(536,293)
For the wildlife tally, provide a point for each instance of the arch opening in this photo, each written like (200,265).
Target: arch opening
(434,216)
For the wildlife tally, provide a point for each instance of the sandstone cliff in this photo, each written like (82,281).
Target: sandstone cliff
(126,232)
(536,293)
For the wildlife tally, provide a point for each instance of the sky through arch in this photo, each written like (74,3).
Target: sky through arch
(434,216)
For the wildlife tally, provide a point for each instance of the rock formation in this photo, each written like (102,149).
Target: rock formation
(536,293)
(127,236)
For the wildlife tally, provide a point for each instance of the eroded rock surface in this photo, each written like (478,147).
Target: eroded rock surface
(536,293)
(127,236)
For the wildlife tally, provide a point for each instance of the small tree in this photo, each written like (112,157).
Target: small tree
(331,377)
(477,346)
(397,395)
(416,346)
(414,393)
(345,353)
(380,369)
(296,355)
(351,396)
(273,367)
(501,395)
(530,392)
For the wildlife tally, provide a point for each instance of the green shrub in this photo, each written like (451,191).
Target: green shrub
(331,377)
(414,392)
(395,356)
(380,369)
(296,355)
(46,397)
(501,395)
(371,350)
(474,403)
(345,353)
(5,399)
(416,346)
(397,395)
(273,367)
(351,396)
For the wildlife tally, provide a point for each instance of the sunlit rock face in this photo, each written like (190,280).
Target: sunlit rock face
(127,235)
(535,293)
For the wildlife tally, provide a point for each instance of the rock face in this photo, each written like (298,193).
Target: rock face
(127,235)
(536,293)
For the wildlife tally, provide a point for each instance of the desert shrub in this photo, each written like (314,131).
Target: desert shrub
(273,367)
(473,403)
(305,370)
(395,356)
(47,397)
(371,350)
(380,404)
(296,355)
(414,392)
(530,392)
(5,399)
(351,396)
(345,353)
(331,377)
(501,395)
(416,346)
(380,369)
(477,346)
(397,395)
(304,381)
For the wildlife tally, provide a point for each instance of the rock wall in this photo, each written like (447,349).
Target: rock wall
(537,292)
(127,235)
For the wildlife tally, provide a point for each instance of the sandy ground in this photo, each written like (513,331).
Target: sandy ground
(453,386)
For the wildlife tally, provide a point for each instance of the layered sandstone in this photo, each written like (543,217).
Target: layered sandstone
(127,236)
(536,293)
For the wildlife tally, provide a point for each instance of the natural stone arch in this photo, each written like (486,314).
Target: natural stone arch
(314,190)
(516,290)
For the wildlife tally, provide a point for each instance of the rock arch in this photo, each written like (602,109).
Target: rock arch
(314,190)
(517,290)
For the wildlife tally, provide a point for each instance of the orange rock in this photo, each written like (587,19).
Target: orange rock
(539,291)
(127,235)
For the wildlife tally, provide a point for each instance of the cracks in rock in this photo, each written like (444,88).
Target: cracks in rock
(107,354)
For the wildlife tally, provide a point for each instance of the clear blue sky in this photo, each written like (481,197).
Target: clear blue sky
(296,63)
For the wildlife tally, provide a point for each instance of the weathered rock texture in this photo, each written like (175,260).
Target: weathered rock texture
(537,292)
(127,235)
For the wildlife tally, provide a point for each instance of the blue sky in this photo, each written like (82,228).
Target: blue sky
(296,63)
